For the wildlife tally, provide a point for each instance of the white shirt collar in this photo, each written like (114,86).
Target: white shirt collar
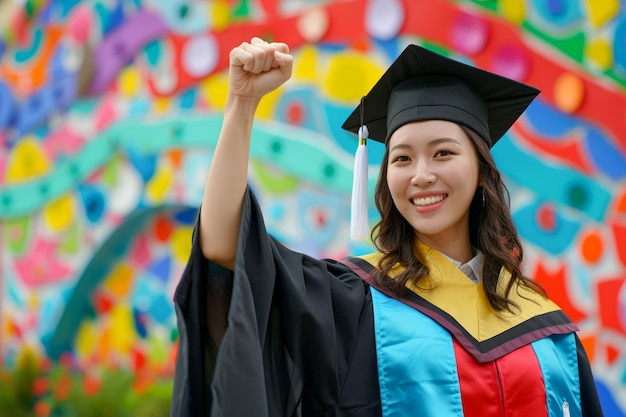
(475,265)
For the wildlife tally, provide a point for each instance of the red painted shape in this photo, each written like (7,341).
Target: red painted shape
(102,303)
(295,113)
(163,228)
(567,150)
(546,218)
(612,353)
(555,285)
(608,304)
(619,234)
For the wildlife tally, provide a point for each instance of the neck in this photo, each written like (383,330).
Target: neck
(460,250)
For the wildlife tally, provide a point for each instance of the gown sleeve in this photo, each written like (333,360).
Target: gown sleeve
(293,326)
(590,403)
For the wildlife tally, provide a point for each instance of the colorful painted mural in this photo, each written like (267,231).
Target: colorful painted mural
(109,111)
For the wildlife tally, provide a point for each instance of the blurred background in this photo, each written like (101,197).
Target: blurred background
(109,112)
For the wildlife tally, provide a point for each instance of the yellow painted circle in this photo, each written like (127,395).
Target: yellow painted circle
(513,10)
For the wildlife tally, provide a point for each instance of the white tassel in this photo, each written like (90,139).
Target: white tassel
(359,222)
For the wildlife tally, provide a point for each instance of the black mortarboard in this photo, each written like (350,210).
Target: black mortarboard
(423,85)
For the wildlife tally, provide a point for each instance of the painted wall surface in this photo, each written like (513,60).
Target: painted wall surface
(110,109)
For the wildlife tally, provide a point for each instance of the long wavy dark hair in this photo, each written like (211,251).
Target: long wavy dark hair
(491,230)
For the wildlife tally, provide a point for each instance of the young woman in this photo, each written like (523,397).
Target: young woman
(438,322)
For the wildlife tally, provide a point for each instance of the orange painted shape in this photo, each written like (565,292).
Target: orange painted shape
(555,285)
(608,304)
(569,91)
(25,80)
(589,343)
(621,203)
(176,157)
(592,247)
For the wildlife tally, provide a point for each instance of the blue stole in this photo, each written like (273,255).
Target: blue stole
(417,367)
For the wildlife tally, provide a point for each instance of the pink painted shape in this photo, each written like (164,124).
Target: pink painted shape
(512,62)
(140,251)
(105,115)
(41,265)
(62,142)
(469,34)
(79,23)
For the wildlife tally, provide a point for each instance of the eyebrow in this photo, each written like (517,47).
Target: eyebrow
(430,143)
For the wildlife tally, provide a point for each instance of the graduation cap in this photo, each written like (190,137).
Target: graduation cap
(423,85)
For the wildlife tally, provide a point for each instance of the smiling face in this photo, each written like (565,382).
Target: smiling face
(432,174)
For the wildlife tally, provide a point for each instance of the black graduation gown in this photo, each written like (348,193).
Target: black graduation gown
(299,340)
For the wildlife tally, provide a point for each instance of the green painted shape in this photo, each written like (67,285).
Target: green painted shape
(242,9)
(15,234)
(273,181)
(70,243)
(572,46)
(323,163)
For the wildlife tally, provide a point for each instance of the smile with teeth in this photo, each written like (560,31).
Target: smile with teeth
(427,201)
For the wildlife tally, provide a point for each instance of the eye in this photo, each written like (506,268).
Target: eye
(400,158)
(443,152)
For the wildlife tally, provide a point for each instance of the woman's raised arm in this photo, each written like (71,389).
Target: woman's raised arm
(256,68)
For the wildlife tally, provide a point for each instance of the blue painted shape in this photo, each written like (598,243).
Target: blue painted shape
(390,47)
(330,205)
(49,307)
(276,211)
(610,407)
(7,105)
(98,268)
(195,20)
(555,242)
(2,48)
(24,55)
(144,164)
(139,106)
(549,121)
(15,295)
(109,19)
(186,216)
(63,91)
(558,13)
(619,42)
(143,292)
(187,99)
(140,320)
(32,112)
(60,9)
(607,157)
(563,186)
(161,269)
(94,201)
(152,52)
(161,309)
(336,115)
(36,109)
(308,99)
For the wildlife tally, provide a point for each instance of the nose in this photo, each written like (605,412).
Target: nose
(424,175)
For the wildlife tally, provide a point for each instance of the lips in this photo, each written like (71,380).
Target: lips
(427,201)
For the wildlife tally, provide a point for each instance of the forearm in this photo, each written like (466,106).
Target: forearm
(226,183)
